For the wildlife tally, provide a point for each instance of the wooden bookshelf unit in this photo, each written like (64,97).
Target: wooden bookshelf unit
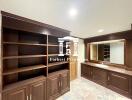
(28,66)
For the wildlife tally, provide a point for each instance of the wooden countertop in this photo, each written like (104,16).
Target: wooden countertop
(110,68)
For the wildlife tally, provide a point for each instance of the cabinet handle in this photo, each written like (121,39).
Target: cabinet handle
(30,97)
(27,97)
(119,76)
(108,78)
(59,84)
(91,73)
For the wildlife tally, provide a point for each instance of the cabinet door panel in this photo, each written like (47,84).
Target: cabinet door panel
(86,71)
(38,91)
(16,94)
(119,83)
(65,82)
(53,86)
(100,76)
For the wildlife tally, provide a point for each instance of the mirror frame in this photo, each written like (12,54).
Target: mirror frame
(107,62)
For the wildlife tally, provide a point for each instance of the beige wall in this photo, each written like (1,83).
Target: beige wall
(81,56)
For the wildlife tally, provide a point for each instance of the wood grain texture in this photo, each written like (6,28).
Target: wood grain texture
(1,57)
(73,63)
(27,68)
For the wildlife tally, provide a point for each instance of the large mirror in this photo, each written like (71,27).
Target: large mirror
(110,51)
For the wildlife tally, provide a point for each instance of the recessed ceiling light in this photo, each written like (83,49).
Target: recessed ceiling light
(73,12)
(101,30)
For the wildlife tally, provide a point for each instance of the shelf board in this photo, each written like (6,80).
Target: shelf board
(53,54)
(32,44)
(57,63)
(53,45)
(23,69)
(24,56)
(23,83)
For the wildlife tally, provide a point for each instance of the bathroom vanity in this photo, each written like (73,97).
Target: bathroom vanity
(116,79)
(108,61)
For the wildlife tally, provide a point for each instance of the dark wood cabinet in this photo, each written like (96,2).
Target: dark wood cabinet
(53,86)
(120,83)
(57,84)
(33,89)
(86,71)
(65,82)
(29,52)
(16,94)
(99,76)
(38,91)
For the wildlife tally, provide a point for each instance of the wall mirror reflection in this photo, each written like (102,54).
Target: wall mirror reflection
(108,51)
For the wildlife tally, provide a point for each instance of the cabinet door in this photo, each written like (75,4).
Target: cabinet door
(86,71)
(16,94)
(100,76)
(53,86)
(119,83)
(38,91)
(65,82)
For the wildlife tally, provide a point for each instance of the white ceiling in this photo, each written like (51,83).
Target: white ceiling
(110,15)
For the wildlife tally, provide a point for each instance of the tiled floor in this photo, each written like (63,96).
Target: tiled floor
(83,89)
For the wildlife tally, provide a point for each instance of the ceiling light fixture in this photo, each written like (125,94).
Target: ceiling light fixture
(73,12)
(101,30)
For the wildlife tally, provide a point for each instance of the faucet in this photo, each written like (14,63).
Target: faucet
(102,62)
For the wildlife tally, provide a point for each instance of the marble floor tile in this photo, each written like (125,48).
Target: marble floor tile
(83,89)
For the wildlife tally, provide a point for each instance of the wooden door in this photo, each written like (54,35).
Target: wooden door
(53,86)
(38,91)
(65,82)
(16,94)
(73,63)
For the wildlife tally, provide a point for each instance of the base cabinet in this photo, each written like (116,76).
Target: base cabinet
(100,76)
(57,84)
(65,82)
(32,91)
(38,91)
(41,88)
(53,86)
(16,94)
(118,82)
(86,71)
